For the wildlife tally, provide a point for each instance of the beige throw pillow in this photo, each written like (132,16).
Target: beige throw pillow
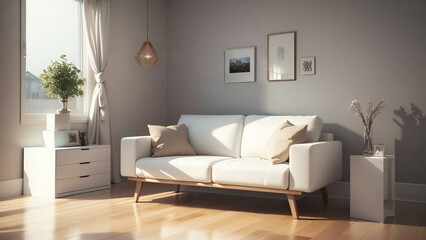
(171,140)
(278,146)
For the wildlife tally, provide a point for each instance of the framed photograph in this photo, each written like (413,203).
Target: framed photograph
(379,150)
(282,56)
(240,65)
(73,138)
(307,66)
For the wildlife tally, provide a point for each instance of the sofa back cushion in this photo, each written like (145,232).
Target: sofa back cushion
(218,135)
(258,130)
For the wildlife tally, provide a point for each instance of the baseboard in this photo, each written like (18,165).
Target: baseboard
(407,192)
(11,188)
(410,192)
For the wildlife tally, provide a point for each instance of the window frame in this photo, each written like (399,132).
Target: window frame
(40,118)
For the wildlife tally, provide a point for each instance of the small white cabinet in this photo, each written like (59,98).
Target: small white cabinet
(59,172)
(372,187)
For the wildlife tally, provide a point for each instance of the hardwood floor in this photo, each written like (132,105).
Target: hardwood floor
(163,214)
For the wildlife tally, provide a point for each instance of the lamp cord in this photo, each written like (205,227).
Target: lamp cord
(147,19)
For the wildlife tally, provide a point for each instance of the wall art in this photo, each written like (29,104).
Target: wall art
(240,65)
(307,66)
(282,56)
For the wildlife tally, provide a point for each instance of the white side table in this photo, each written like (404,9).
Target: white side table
(372,187)
(59,172)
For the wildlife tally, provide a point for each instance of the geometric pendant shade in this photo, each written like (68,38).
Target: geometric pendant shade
(147,56)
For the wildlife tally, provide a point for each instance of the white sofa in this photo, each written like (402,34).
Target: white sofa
(228,156)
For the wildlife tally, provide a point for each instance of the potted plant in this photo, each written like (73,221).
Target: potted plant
(61,79)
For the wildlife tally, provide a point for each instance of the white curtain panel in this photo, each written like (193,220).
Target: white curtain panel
(97,15)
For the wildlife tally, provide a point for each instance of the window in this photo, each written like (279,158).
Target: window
(50,28)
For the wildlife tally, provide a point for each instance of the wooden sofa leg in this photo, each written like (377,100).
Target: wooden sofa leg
(324,194)
(177,189)
(293,206)
(138,190)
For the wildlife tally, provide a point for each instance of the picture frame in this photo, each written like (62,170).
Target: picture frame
(240,65)
(73,138)
(84,140)
(379,150)
(307,66)
(281,56)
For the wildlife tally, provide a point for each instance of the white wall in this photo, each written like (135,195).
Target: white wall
(14,136)
(137,96)
(364,50)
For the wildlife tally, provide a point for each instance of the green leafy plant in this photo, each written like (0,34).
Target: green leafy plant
(61,79)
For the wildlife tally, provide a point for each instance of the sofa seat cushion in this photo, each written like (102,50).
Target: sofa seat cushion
(254,172)
(182,168)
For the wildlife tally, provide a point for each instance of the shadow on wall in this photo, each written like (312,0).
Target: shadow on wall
(410,151)
(351,144)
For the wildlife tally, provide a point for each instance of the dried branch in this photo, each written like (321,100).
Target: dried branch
(371,113)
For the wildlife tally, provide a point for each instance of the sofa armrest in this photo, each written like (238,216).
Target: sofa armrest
(315,165)
(132,149)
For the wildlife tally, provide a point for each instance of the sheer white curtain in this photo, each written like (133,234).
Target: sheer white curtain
(97,14)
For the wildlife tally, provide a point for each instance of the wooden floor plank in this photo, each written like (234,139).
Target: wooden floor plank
(379,232)
(164,214)
(421,233)
(314,228)
(334,231)
(359,229)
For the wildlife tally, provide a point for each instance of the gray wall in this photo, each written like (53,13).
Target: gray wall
(364,50)
(137,96)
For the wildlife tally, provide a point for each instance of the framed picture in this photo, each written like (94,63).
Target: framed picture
(73,138)
(282,56)
(379,150)
(240,65)
(307,66)
(84,140)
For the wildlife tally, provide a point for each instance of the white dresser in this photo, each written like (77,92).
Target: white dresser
(59,172)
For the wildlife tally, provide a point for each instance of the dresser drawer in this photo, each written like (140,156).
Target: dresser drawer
(82,183)
(78,155)
(82,169)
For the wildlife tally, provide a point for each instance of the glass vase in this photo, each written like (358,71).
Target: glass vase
(368,143)
(64,105)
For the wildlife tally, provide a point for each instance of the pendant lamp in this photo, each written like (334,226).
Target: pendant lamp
(147,56)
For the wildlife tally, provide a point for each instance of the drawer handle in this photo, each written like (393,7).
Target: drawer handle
(84,149)
(85,163)
(85,176)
